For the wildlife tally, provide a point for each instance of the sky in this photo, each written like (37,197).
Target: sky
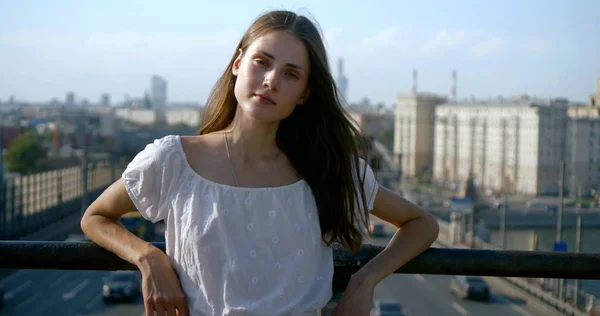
(547,48)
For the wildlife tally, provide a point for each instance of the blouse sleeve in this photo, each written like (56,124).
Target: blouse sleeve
(370,185)
(145,180)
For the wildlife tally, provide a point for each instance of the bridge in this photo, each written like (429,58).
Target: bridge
(47,267)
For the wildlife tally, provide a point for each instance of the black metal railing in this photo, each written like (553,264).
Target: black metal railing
(441,261)
(444,261)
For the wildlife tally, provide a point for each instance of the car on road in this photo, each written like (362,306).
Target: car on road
(541,206)
(121,285)
(389,307)
(497,204)
(77,238)
(470,287)
(377,230)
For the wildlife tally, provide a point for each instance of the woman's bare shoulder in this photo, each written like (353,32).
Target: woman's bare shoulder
(204,142)
(202,149)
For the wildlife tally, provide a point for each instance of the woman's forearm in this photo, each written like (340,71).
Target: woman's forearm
(409,241)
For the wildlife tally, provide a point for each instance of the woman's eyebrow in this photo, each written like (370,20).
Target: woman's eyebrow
(288,64)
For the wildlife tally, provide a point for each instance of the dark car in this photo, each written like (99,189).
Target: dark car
(387,308)
(377,230)
(470,287)
(121,285)
(541,206)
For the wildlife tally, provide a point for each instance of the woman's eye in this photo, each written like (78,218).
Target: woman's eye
(293,75)
(260,62)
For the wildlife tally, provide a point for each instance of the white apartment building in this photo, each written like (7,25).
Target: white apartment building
(583,150)
(191,117)
(139,115)
(413,131)
(513,146)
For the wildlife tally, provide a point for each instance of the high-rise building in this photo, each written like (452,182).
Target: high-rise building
(70,99)
(453,88)
(158,91)
(413,131)
(516,147)
(582,171)
(105,99)
(342,82)
(595,99)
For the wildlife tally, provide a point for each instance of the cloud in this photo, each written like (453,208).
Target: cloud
(162,41)
(486,48)
(119,40)
(390,38)
(443,41)
(38,40)
(537,45)
(110,52)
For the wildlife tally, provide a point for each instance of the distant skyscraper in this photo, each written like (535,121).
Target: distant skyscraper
(158,91)
(414,88)
(453,88)
(105,99)
(147,101)
(70,98)
(342,81)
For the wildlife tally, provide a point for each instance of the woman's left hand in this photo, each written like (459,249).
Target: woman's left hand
(357,299)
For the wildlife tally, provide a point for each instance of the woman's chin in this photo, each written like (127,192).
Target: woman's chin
(261,113)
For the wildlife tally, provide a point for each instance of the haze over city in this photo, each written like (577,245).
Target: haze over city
(485,115)
(543,48)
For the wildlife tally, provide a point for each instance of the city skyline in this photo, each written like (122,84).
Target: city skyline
(538,48)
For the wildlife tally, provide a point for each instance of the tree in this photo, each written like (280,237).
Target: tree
(471,189)
(472,192)
(386,137)
(423,177)
(26,155)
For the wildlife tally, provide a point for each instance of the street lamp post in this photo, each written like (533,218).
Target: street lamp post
(2,192)
(559,220)
(503,219)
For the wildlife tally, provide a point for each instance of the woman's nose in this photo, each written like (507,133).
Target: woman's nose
(271,79)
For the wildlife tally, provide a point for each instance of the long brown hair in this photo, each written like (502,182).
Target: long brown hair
(318,138)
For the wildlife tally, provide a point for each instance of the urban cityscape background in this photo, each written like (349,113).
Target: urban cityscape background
(516,168)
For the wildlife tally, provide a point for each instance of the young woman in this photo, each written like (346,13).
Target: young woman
(253,203)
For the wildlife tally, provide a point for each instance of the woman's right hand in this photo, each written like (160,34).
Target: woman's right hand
(161,287)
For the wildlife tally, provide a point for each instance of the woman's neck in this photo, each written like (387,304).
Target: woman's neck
(250,140)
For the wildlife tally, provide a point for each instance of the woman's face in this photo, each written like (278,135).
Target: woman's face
(272,76)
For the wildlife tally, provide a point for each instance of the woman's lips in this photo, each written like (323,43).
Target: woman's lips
(265,99)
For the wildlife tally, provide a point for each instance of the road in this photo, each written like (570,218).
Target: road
(429,295)
(62,292)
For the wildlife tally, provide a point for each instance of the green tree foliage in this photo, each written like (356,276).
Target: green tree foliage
(423,177)
(26,155)
(386,137)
